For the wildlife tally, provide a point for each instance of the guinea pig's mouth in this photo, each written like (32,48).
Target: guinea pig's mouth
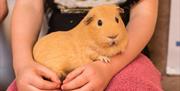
(113,43)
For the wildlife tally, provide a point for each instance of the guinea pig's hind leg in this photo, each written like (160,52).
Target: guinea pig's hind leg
(104,59)
(62,75)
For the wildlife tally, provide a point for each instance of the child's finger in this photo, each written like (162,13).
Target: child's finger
(40,83)
(45,72)
(74,74)
(78,82)
(36,89)
(88,87)
(52,90)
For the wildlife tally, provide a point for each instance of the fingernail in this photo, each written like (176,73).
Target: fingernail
(64,81)
(62,87)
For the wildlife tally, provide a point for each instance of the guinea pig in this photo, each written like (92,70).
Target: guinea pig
(100,35)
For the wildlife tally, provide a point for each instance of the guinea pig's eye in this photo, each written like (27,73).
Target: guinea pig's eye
(117,20)
(100,22)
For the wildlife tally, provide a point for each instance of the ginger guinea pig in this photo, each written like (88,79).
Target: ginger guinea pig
(100,35)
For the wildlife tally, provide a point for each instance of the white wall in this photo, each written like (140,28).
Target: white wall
(173,64)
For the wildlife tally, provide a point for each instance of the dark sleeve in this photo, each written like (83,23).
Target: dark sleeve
(49,4)
(64,22)
(127,6)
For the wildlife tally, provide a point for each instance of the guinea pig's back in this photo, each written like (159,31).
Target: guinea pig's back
(56,51)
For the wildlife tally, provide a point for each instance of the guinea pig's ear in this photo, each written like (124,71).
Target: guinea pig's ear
(121,10)
(88,19)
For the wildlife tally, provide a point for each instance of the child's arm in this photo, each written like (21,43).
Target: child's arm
(26,24)
(96,76)
(3,10)
(140,29)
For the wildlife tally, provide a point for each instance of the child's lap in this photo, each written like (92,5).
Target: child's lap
(140,75)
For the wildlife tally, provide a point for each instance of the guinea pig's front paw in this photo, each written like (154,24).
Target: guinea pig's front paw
(104,59)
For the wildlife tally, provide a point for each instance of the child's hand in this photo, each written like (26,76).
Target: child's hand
(30,78)
(91,77)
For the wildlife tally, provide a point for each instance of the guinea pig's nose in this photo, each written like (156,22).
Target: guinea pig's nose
(113,37)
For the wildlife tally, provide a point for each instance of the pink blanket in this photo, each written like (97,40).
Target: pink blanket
(140,75)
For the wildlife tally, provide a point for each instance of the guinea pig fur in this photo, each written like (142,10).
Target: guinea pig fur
(100,35)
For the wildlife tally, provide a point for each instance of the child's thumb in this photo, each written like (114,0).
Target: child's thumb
(49,75)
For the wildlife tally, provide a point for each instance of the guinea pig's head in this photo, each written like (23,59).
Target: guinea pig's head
(105,26)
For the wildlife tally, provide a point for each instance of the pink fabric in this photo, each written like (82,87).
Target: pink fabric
(140,75)
(12,86)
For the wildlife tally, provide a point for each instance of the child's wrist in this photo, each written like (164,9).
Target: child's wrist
(21,64)
(108,68)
